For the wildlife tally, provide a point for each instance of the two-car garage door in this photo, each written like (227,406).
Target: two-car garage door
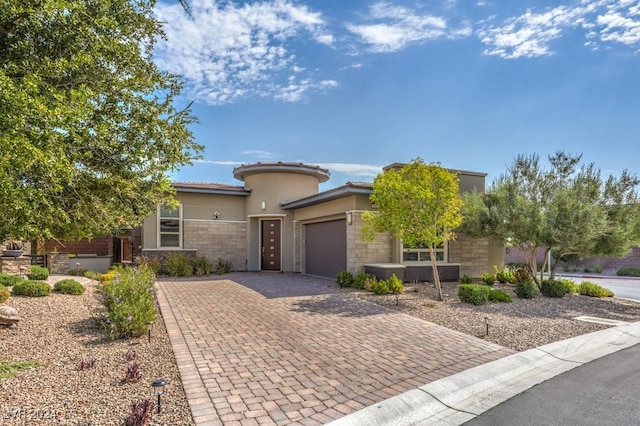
(326,248)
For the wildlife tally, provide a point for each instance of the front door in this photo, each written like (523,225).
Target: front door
(271,245)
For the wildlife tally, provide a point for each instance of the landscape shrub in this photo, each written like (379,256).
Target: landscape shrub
(154,263)
(628,272)
(380,287)
(344,279)
(130,302)
(69,286)
(588,288)
(107,277)
(521,275)
(359,280)
(38,273)
(202,266)
(178,265)
(569,285)
(504,276)
(32,288)
(526,289)
(4,294)
(77,272)
(369,282)
(223,266)
(488,279)
(553,288)
(9,280)
(394,285)
(476,294)
(496,295)
(466,279)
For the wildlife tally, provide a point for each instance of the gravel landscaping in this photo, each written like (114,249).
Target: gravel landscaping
(62,331)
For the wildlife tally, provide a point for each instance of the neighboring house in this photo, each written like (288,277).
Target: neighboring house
(279,221)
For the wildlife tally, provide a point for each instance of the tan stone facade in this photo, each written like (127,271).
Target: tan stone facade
(218,239)
(15,265)
(472,255)
(359,252)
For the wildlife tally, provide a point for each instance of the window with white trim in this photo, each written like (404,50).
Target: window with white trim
(420,254)
(169,227)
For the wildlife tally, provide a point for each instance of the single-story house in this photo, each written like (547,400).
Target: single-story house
(278,220)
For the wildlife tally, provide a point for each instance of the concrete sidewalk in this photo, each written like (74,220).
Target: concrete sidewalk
(461,397)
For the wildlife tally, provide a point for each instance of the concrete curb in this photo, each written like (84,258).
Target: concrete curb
(459,398)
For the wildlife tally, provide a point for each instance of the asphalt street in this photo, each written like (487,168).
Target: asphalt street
(605,391)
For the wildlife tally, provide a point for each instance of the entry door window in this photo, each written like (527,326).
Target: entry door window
(271,245)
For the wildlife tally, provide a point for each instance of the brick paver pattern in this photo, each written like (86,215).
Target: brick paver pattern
(287,349)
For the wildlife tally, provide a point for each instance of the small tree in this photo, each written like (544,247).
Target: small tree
(418,203)
(564,208)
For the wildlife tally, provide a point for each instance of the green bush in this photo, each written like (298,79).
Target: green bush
(588,288)
(178,265)
(466,279)
(4,294)
(488,279)
(69,286)
(152,263)
(628,272)
(359,280)
(38,273)
(504,276)
(553,288)
(9,280)
(395,285)
(476,294)
(380,287)
(496,295)
(223,266)
(569,285)
(526,289)
(31,288)
(369,282)
(344,279)
(77,272)
(130,302)
(202,266)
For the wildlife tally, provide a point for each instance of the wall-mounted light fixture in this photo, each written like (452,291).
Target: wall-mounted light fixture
(263,205)
(216,215)
(349,218)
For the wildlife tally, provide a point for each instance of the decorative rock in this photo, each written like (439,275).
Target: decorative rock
(8,316)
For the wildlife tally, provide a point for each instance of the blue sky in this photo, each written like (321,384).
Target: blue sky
(354,85)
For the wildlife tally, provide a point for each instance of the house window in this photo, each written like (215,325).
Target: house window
(420,254)
(170,227)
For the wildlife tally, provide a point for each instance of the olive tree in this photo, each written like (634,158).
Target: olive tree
(418,203)
(568,208)
(88,127)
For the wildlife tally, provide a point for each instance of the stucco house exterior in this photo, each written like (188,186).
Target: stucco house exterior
(278,220)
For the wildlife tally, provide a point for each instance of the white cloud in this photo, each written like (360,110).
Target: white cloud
(219,163)
(260,154)
(225,51)
(362,170)
(621,23)
(390,28)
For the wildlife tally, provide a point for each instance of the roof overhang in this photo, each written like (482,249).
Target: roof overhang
(349,189)
(246,170)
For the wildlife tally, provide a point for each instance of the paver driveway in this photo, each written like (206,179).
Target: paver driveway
(268,348)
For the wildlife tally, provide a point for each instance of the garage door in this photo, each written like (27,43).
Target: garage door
(326,248)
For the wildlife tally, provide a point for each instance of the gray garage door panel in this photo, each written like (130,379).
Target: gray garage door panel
(326,248)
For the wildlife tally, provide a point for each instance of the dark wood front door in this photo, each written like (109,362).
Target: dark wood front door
(271,245)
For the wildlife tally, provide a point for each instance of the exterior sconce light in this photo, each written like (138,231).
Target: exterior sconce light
(158,389)
(349,218)
(263,205)
(216,215)
(149,326)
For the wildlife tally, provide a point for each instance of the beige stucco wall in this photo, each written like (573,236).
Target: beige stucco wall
(204,206)
(218,239)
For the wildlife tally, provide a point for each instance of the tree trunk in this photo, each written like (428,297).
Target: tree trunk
(436,275)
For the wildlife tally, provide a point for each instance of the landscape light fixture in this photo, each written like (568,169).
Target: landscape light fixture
(486,321)
(158,389)
(149,325)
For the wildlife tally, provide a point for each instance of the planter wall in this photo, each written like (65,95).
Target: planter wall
(15,265)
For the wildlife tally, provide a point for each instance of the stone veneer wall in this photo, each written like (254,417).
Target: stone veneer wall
(360,252)
(297,246)
(58,263)
(218,239)
(15,265)
(472,254)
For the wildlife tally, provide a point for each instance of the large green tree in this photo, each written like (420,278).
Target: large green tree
(418,203)
(88,127)
(567,207)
